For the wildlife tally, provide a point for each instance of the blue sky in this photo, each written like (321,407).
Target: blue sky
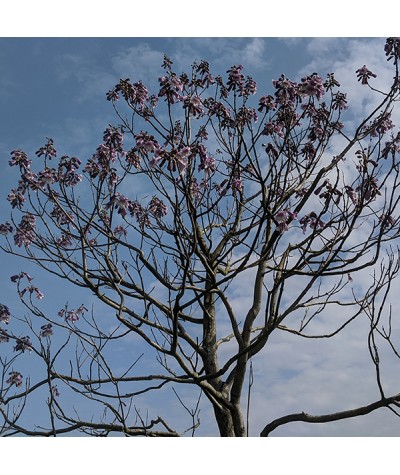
(55,87)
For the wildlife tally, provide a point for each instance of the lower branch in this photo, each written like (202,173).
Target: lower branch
(303,417)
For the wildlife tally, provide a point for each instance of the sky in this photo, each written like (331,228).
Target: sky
(55,87)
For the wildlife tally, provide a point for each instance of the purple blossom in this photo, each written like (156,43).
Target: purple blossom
(250,87)
(286,90)
(194,106)
(235,78)
(25,233)
(266,103)
(46,330)
(181,158)
(312,86)
(282,218)
(65,240)
(23,344)
(47,150)
(4,314)
(237,184)
(313,221)
(32,289)
(15,378)
(21,275)
(207,162)
(55,391)
(6,228)
(331,82)
(120,231)
(157,208)
(246,115)
(339,101)
(273,127)
(171,86)
(136,94)
(4,338)
(146,143)
(353,195)
(387,220)
(392,49)
(47,177)
(20,158)
(364,74)
(16,196)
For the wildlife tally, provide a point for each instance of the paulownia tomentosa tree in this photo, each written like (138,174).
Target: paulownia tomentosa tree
(233,189)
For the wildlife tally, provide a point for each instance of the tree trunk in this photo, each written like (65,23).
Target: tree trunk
(230,422)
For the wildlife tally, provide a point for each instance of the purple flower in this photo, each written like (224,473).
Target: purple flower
(157,208)
(6,228)
(194,106)
(120,231)
(364,74)
(20,158)
(16,196)
(4,314)
(4,338)
(387,220)
(235,78)
(339,101)
(46,330)
(55,391)
(23,344)
(31,289)
(353,195)
(207,162)
(15,378)
(312,86)
(171,86)
(47,150)
(282,218)
(266,103)
(311,220)
(25,233)
(392,48)
(250,87)
(286,90)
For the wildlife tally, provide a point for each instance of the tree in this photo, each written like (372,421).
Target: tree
(236,190)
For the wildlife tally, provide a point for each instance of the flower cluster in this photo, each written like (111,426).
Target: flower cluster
(4,314)
(46,330)
(47,150)
(6,228)
(194,106)
(171,87)
(4,338)
(283,218)
(157,208)
(392,49)
(20,158)
(327,192)
(15,378)
(286,91)
(364,75)
(387,220)
(312,86)
(25,233)
(67,171)
(312,220)
(23,344)
(72,316)
(135,94)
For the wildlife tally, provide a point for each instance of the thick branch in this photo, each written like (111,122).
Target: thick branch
(336,416)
